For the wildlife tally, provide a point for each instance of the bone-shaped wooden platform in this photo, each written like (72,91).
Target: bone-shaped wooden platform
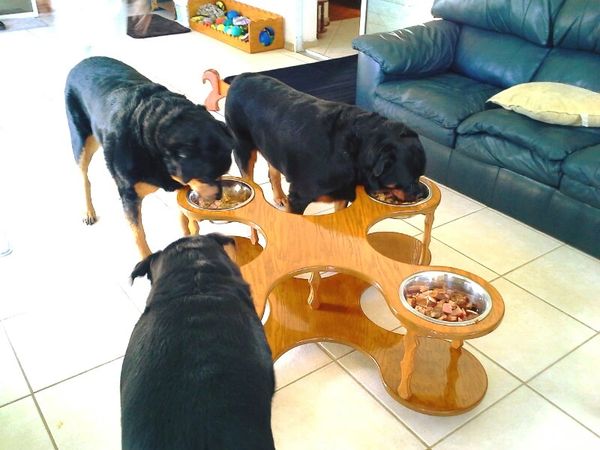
(427,369)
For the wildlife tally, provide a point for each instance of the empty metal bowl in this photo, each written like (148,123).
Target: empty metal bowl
(381,197)
(236,193)
(449,281)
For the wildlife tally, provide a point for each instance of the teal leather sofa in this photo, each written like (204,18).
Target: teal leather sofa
(436,78)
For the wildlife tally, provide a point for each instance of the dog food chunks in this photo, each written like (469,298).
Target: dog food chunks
(396,196)
(449,305)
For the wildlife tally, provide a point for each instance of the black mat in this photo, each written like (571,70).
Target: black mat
(157,26)
(334,79)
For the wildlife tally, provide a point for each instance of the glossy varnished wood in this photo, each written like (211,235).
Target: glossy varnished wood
(438,379)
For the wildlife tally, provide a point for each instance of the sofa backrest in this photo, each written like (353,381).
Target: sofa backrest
(575,58)
(499,59)
(577,26)
(529,19)
(501,42)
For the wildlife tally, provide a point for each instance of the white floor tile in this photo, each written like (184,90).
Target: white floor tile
(495,240)
(22,427)
(452,206)
(523,420)
(336,350)
(442,255)
(13,385)
(429,428)
(566,278)
(85,412)
(532,334)
(377,310)
(298,362)
(339,414)
(72,337)
(571,385)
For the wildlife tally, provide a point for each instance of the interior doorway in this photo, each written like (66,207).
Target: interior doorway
(343,9)
(338,22)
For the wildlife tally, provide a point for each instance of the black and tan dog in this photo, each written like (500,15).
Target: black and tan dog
(197,372)
(324,149)
(152,138)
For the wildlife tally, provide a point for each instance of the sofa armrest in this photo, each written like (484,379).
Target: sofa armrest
(418,50)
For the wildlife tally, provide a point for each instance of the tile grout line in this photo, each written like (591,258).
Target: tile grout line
(550,304)
(76,375)
(563,411)
(380,403)
(33,397)
(303,376)
(530,379)
(471,419)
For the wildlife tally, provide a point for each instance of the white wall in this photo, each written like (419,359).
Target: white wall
(389,15)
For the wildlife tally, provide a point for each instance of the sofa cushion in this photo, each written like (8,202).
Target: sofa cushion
(495,58)
(571,67)
(444,101)
(581,178)
(529,19)
(576,26)
(523,145)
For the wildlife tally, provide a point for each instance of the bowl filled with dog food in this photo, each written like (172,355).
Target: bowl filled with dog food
(236,193)
(445,298)
(398,197)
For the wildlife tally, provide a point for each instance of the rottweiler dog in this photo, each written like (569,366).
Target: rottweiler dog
(152,138)
(197,373)
(324,149)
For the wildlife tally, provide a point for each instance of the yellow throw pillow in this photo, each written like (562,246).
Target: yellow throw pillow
(557,103)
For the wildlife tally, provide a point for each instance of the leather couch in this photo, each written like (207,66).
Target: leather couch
(436,78)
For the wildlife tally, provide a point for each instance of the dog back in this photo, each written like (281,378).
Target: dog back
(198,372)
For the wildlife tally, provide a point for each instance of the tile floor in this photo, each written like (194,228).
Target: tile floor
(337,40)
(67,308)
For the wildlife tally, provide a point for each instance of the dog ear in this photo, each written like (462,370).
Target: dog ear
(383,159)
(143,267)
(228,244)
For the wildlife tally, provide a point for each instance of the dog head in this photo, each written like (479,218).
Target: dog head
(195,147)
(192,251)
(395,159)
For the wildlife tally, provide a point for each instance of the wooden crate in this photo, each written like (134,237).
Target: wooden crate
(259,20)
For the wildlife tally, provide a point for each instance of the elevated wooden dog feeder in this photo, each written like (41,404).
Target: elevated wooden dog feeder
(427,369)
(260,19)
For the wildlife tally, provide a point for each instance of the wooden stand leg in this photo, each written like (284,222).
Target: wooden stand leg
(314,281)
(426,237)
(219,89)
(408,363)
(457,344)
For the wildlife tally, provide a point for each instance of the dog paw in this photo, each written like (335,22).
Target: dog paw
(89,219)
(281,201)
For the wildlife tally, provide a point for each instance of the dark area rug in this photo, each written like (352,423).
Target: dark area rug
(334,79)
(152,25)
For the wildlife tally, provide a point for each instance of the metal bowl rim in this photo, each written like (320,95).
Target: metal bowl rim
(486,295)
(407,204)
(233,180)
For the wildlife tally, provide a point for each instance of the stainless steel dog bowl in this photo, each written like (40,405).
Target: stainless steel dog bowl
(422,197)
(438,279)
(236,193)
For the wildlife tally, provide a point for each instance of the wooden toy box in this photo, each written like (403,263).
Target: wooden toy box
(260,19)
